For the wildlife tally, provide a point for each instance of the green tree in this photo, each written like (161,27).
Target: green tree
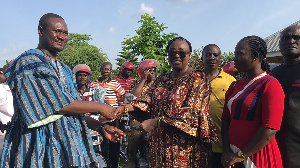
(196,62)
(149,42)
(78,51)
(226,57)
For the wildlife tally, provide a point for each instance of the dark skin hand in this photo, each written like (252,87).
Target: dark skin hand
(110,132)
(262,137)
(146,125)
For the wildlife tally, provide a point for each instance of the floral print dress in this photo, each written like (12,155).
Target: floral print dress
(187,131)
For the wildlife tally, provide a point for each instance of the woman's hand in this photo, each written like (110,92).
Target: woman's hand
(149,125)
(229,159)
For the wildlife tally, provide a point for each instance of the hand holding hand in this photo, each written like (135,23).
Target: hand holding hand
(110,115)
(119,111)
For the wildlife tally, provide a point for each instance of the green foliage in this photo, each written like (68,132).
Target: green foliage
(226,57)
(4,66)
(196,62)
(149,43)
(78,51)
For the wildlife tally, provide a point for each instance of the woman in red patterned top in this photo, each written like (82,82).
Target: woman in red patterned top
(175,112)
(253,110)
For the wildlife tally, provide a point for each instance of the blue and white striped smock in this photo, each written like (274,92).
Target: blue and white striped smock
(41,87)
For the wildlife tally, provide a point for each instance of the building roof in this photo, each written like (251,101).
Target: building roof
(273,40)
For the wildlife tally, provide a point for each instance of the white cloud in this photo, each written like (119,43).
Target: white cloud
(111,30)
(146,9)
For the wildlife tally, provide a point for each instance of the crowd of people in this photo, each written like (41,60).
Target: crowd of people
(181,118)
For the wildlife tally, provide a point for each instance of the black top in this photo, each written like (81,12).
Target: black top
(289,136)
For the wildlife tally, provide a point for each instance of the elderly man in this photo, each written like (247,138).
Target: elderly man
(47,128)
(289,77)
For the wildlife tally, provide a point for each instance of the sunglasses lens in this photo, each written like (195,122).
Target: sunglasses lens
(172,53)
(182,54)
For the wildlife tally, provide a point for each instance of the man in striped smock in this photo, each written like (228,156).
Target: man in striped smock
(48,128)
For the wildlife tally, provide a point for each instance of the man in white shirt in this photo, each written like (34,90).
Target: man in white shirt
(6,106)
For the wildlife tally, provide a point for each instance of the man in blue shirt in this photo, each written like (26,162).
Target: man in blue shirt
(47,128)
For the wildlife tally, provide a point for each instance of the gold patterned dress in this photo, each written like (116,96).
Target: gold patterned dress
(187,131)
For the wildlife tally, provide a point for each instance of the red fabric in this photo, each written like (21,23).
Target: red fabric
(268,113)
(125,83)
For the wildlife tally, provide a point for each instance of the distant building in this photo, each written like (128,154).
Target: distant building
(274,55)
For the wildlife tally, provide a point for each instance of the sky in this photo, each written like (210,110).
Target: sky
(202,22)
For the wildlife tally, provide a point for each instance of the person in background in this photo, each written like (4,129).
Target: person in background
(219,81)
(125,78)
(174,111)
(289,77)
(113,89)
(147,74)
(83,75)
(47,128)
(6,107)
(231,70)
(86,92)
(253,110)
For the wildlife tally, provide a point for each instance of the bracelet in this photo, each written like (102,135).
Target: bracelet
(241,154)
(125,110)
(158,123)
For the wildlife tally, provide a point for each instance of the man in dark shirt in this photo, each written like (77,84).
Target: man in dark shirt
(289,77)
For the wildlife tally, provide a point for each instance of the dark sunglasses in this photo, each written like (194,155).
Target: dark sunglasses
(182,54)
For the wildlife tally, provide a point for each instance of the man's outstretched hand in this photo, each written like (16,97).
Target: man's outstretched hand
(112,133)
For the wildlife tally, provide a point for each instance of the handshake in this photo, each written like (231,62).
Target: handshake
(117,112)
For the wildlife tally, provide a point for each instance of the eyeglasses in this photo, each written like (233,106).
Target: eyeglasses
(182,54)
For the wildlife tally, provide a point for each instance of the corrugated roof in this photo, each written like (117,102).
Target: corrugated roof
(273,40)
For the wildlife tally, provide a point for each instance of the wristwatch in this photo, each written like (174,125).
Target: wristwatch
(241,154)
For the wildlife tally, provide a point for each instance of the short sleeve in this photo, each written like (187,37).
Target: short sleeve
(272,104)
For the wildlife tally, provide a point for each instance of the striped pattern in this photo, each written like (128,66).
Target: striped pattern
(113,89)
(41,87)
(125,83)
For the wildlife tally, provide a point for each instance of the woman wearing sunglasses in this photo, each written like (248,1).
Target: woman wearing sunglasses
(253,110)
(174,111)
